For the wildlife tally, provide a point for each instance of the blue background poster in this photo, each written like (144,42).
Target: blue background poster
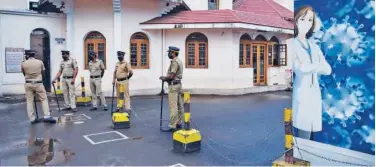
(345,33)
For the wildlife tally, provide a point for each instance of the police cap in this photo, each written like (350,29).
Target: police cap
(120,53)
(92,53)
(30,52)
(173,48)
(65,52)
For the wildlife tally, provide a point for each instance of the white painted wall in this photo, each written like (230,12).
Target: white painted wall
(197,4)
(15,32)
(225,4)
(14,4)
(289,4)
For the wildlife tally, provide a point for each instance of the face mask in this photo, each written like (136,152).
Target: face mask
(91,57)
(170,55)
(65,57)
(120,58)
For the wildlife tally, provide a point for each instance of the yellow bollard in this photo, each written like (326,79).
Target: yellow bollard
(187,139)
(120,119)
(58,91)
(83,100)
(288,158)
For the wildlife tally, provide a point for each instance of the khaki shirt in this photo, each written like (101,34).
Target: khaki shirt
(33,69)
(67,67)
(122,69)
(96,68)
(176,67)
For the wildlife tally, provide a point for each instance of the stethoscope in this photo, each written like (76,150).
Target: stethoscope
(308,49)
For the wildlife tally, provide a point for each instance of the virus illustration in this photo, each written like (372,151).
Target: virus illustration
(344,45)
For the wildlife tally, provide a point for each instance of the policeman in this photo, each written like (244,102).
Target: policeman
(123,72)
(69,69)
(33,70)
(175,99)
(96,68)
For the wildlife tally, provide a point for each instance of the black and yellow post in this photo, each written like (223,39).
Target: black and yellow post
(58,91)
(288,158)
(120,118)
(187,139)
(83,99)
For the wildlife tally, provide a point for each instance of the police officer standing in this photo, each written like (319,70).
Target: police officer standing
(33,70)
(175,99)
(69,69)
(96,69)
(123,72)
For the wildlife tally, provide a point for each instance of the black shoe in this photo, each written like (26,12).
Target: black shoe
(93,108)
(179,126)
(35,121)
(74,110)
(49,120)
(66,108)
(105,108)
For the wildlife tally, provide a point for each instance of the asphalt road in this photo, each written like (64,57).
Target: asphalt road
(236,130)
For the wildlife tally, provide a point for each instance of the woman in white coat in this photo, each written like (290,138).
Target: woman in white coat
(307,62)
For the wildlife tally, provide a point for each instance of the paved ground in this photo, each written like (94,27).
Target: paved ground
(236,130)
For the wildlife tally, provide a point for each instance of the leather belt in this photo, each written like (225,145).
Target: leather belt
(175,82)
(34,82)
(67,77)
(122,79)
(95,76)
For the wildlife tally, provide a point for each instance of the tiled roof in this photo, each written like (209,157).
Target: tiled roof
(259,12)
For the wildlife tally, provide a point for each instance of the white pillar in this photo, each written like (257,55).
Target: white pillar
(69,45)
(117,26)
(1,61)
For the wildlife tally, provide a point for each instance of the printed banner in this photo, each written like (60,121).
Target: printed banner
(334,86)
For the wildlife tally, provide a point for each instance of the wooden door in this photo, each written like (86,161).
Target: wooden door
(259,62)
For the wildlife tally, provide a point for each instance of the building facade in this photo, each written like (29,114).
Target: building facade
(227,46)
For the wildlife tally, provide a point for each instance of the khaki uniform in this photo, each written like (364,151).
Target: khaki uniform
(95,69)
(33,72)
(122,71)
(175,94)
(69,90)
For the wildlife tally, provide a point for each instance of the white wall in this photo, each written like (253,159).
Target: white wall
(197,4)
(14,4)
(15,32)
(88,17)
(225,4)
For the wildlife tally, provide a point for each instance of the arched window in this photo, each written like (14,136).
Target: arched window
(96,42)
(196,51)
(245,51)
(139,51)
(260,38)
(277,54)
(273,51)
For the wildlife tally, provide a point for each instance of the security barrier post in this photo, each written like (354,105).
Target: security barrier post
(83,100)
(289,154)
(288,157)
(187,109)
(120,119)
(188,139)
(121,97)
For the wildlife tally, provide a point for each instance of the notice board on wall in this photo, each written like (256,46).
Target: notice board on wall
(13,59)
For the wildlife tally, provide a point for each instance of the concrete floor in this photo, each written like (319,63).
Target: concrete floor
(236,130)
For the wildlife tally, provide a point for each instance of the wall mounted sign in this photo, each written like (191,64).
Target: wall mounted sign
(60,40)
(13,59)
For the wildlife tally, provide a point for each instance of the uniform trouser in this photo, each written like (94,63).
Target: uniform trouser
(32,90)
(176,103)
(96,90)
(69,92)
(127,100)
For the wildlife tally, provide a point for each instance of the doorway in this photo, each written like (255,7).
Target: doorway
(40,42)
(259,65)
